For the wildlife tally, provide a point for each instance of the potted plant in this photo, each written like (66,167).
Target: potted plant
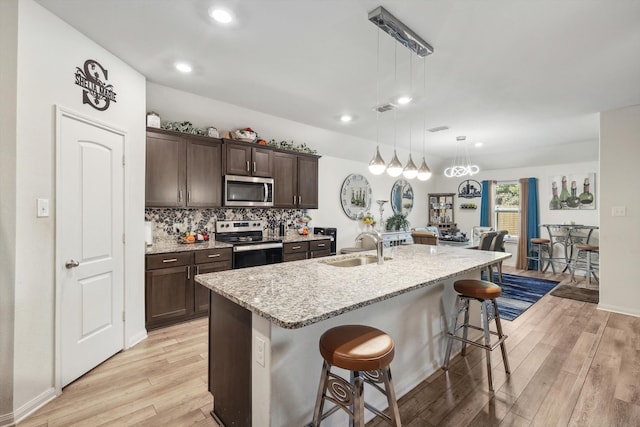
(397,222)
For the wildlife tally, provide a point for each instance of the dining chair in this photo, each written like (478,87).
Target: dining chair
(497,245)
(484,244)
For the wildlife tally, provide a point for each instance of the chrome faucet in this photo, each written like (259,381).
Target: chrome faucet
(377,237)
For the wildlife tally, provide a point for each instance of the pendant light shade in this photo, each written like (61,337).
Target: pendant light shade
(410,171)
(377,164)
(424,173)
(394,168)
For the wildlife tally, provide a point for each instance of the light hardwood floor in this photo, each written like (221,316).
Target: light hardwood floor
(572,365)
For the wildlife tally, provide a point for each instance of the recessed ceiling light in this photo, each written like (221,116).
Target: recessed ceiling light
(220,15)
(182,67)
(404,100)
(478,144)
(345,118)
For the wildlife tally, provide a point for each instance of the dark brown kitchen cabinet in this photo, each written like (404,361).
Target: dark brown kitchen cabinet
(171,294)
(168,289)
(295,181)
(319,248)
(183,170)
(208,261)
(247,160)
(295,251)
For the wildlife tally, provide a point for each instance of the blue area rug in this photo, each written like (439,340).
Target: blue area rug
(519,293)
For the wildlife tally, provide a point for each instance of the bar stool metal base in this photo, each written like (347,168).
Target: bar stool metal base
(489,310)
(584,261)
(537,253)
(349,395)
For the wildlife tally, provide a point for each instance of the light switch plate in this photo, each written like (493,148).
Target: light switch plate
(43,208)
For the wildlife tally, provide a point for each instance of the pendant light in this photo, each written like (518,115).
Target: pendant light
(394,168)
(377,164)
(410,171)
(424,173)
(461,164)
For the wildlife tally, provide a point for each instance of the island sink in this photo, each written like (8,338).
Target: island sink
(355,261)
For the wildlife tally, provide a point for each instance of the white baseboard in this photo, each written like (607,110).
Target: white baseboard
(28,408)
(140,336)
(619,310)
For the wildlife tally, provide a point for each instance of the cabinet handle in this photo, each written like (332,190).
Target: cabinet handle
(299,200)
(248,166)
(180,195)
(254,167)
(188,196)
(321,245)
(188,272)
(169,260)
(197,269)
(294,200)
(213,256)
(296,247)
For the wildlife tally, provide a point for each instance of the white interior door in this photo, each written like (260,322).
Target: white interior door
(89,215)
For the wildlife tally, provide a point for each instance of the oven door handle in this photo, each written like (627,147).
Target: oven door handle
(247,248)
(266,191)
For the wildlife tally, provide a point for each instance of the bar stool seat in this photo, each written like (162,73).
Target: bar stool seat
(486,293)
(367,353)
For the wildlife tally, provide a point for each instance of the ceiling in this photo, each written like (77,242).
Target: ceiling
(525,78)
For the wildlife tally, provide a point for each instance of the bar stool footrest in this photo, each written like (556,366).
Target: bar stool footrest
(489,347)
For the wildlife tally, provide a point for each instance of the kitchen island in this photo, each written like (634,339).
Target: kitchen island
(265,323)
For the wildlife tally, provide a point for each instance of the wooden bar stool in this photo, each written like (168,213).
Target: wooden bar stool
(583,261)
(486,293)
(367,353)
(540,246)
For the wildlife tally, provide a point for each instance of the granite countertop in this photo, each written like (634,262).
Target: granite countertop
(296,294)
(167,246)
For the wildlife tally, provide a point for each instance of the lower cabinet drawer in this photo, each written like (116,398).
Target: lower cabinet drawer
(296,247)
(173,259)
(213,255)
(320,245)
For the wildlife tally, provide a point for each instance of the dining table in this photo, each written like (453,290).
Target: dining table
(566,236)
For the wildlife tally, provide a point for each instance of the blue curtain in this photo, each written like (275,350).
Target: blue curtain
(532,215)
(485,206)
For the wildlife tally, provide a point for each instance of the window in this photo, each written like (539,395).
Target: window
(507,207)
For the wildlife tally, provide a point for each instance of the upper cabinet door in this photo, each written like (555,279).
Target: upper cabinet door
(204,177)
(307,182)
(262,162)
(238,159)
(285,179)
(165,170)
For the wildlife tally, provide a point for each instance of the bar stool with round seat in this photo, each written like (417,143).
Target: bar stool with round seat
(486,293)
(584,261)
(366,352)
(539,247)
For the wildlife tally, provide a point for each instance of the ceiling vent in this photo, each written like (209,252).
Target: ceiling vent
(385,107)
(438,128)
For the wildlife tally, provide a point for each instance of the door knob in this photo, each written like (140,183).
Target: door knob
(71,264)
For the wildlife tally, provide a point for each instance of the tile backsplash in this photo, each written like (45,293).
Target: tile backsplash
(166,221)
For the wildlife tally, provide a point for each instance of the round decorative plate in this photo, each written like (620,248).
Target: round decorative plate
(355,196)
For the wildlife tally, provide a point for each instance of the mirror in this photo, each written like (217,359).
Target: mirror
(402,197)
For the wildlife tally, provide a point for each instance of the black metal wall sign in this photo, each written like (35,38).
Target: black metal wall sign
(470,189)
(93,79)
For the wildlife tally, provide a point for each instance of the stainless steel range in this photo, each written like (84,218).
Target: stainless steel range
(250,246)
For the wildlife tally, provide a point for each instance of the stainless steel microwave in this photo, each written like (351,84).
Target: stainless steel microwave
(248,191)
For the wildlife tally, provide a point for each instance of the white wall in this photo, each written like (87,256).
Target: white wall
(8,97)
(468,218)
(619,155)
(48,53)
(335,148)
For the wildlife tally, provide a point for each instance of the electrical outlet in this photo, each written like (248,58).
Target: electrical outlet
(619,211)
(260,351)
(43,208)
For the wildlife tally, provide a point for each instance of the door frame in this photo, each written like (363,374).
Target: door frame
(61,112)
